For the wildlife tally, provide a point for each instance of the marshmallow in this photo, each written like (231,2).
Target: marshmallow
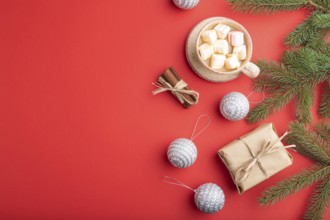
(217,61)
(240,52)
(221,46)
(209,36)
(236,38)
(222,30)
(232,62)
(206,51)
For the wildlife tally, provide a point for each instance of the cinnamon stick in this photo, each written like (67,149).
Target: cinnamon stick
(172,77)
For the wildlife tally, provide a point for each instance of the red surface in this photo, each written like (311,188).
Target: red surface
(81,136)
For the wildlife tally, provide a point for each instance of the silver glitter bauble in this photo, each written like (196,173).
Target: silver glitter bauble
(209,198)
(234,106)
(182,153)
(186,4)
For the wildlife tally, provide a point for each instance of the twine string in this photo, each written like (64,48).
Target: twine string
(178,90)
(262,99)
(193,136)
(173,181)
(268,148)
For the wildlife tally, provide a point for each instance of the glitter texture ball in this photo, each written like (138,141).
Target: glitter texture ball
(209,198)
(186,4)
(182,153)
(234,106)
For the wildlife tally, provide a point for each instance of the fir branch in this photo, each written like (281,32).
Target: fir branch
(271,104)
(318,42)
(322,5)
(301,33)
(304,103)
(307,143)
(319,201)
(323,131)
(302,62)
(272,76)
(324,108)
(294,184)
(267,6)
(321,21)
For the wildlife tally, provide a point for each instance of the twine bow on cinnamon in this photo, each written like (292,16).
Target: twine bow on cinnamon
(268,148)
(179,90)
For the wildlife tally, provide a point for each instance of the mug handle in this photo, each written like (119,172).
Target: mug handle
(251,70)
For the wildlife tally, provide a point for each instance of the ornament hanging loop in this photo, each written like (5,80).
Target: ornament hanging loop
(262,99)
(173,181)
(193,136)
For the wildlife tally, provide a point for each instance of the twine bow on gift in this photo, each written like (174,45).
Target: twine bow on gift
(268,148)
(178,90)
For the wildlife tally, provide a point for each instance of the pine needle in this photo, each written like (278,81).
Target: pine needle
(301,33)
(308,143)
(323,131)
(270,105)
(321,20)
(294,184)
(267,6)
(319,201)
(324,108)
(304,103)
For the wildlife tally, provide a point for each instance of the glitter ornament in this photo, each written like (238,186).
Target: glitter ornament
(186,4)
(182,152)
(209,197)
(234,106)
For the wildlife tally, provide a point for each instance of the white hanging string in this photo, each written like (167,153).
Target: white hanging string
(263,97)
(193,136)
(173,181)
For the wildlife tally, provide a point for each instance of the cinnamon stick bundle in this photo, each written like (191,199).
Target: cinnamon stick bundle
(171,81)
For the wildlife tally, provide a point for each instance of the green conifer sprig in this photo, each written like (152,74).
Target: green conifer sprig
(296,77)
(315,145)
(310,144)
(294,184)
(323,131)
(267,6)
(300,70)
(319,201)
(324,108)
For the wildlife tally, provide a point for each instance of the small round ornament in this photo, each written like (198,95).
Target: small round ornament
(234,106)
(182,152)
(186,4)
(209,198)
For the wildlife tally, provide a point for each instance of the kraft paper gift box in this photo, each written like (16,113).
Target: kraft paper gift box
(255,157)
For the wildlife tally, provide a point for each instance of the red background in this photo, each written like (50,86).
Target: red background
(81,136)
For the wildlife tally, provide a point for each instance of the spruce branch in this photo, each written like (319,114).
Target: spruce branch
(323,131)
(308,143)
(321,21)
(272,76)
(302,62)
(301,69)
(322,5)
(320,201)
(267,6)
(294,184)
(304,104)
(324,108)
(271,105)
(301,33)
(318,42)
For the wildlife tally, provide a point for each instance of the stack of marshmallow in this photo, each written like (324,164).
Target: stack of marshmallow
(223,47)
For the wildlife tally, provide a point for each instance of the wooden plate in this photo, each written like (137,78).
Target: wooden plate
(193,60)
